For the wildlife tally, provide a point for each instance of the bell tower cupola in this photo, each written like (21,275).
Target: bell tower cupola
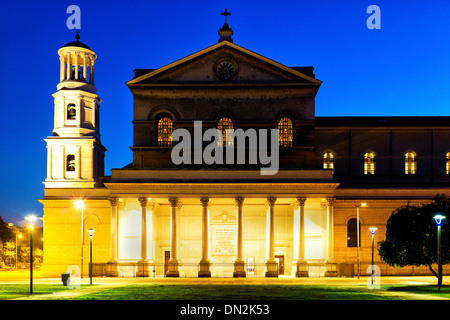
(75,155)
(76,100)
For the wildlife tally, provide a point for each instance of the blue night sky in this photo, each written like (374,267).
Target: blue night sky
(401,69)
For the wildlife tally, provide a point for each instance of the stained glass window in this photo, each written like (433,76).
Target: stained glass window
(410,163)
(285,133)
(165,128)
(328,160)
(222,126)
(369,163)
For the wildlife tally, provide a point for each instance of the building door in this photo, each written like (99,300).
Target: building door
(166,261)
(280,260)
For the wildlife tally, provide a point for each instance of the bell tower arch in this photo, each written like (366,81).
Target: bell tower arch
(75,155)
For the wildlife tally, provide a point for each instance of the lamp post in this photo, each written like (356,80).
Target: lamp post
(91,233)
(17,257)
(438,218)
(357,236)
(372,231)
(80,205)
(31,219)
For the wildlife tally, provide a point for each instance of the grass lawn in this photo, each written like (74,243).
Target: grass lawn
(420,289)
(229,292)
(13,291)
(224,292)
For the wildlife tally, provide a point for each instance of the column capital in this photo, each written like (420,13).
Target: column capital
(239,201)
(114,201)
(204,201)
(271,201)
(330,201)
(301,201)
(174,202)
(143,201)
(151,205)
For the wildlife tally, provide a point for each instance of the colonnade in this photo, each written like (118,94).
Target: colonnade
(75,60)
(239,264)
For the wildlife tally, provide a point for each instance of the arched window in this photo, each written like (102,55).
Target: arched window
(222,126)
(165,128)
(352,233)
(328,160)
(369,162)
(70,162)
(447,163)
(71,111)
(286,133)
(410,162)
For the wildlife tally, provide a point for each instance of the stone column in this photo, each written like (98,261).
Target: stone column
(302,266)
(84,67)
(76,66)
(239,264)
(63,162)
(330,264)
(272,270)
(62,69)
(172,265)
(143,270)
(69,67)
(90,163)
(112,270)
(204,271)
(78,166)
(49,162)
(91,72)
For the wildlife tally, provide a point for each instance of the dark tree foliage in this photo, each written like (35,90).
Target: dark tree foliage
(411,235)
(6,233)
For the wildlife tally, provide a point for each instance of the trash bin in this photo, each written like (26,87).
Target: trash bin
(65,277)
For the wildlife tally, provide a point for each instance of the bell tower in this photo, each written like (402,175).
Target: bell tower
(75,155)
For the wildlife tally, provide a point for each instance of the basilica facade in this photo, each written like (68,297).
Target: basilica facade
(308,215)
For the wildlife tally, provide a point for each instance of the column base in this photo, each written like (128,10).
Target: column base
(143,269)
(239,269)
(330,268)
(204,271)
(302,269)
(272,269)
(112,269)
(172,269)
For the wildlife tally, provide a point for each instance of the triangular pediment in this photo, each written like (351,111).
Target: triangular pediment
(223,63)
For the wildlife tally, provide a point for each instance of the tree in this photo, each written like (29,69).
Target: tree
(9,251)
(411,235)
(5,231)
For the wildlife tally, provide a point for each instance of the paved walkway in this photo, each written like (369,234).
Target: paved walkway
(99,284)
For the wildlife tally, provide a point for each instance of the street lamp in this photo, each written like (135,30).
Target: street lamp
(80,205)
(357,236)
(17,257)
(91,233)
(372,231)
(438,218)
(31,219)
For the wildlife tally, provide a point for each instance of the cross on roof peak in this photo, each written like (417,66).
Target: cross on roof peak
(226,13)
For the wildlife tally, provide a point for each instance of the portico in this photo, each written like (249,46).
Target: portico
(220,228)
